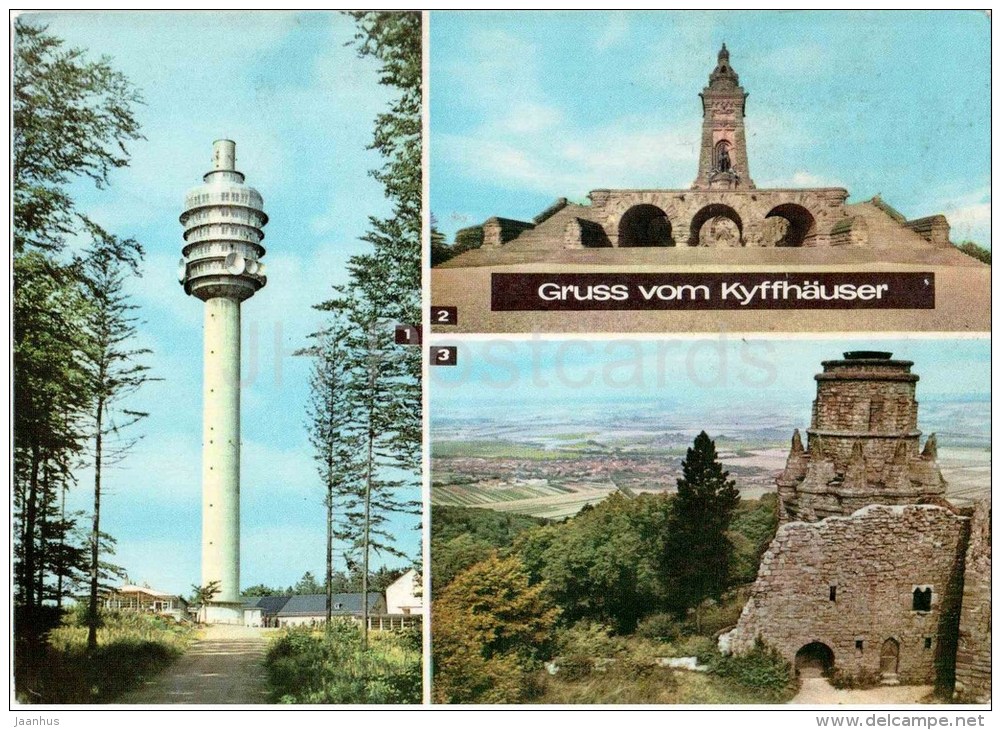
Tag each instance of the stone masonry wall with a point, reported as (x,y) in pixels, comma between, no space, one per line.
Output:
(873,560)
(749,207)
(861,407)
(973,656)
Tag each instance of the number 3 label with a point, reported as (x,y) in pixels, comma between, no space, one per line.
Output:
(443,355)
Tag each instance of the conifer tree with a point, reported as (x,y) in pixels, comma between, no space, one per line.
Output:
(698,550)
(379,382)
(115,372)
(72,117)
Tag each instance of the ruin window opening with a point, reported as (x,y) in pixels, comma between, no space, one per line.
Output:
(833,593)
(858,644)
(927,642)
(645,225)
(802,227)
(921,600)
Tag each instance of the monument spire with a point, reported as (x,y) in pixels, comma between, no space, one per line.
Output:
(723,154)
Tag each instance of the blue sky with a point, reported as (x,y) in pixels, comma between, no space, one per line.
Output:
(527,107)
(711,381)
(300,106)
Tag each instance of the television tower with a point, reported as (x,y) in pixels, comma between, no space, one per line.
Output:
(223,223)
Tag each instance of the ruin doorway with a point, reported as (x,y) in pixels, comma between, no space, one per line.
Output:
(716,225)
(645,225)
(889,659)
(814,660)
(799,229)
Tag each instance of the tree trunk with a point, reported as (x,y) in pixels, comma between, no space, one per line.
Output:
(365,537)
(61,565)
(95,535)
(30,520)
(330,553)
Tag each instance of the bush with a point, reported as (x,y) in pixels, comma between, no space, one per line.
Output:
(702,648)
(711,617)
(761,668)
(310,666)
(660,626)
(132,647)
(573,668)
(978,252)
(588,639)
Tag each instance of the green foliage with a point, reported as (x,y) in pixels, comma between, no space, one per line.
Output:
(456,555)
(391,273)
(710,617)
(200,595)
(662,626)
(365,415)
(307,666)
(466,239)
(762,668)
(491,628)
(73,118)
(496,529)
(588,639)
(751,532)
(132,647)
(603,563)
(978,252)
(698,552)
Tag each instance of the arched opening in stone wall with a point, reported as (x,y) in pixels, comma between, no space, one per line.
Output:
(800,224)
(645,225)
(716,225)
(889,658)
(814,660)
(722,158)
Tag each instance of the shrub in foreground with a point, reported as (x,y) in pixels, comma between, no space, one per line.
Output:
(131,648)
(311,666)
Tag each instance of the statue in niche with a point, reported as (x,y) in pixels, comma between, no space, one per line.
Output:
(719,232)
(774,230)
(723,164)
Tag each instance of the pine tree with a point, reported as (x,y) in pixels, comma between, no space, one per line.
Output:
(115,372)
(698,550)
(72,117)
(334,440)
(380,382)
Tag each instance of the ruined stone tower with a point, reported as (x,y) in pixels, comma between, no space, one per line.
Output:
(872,572)
(723,154)
(863,443)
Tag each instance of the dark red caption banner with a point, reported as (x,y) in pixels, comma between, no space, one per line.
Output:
(580,292)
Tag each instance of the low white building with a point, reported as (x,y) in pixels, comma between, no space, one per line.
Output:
(144,599)
(404,595)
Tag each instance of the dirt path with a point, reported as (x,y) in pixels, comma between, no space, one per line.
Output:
(223,667)
(818,691)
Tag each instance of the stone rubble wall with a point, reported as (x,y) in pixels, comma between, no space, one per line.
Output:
(750,207)
(933,228)
(874,559)
(973,655)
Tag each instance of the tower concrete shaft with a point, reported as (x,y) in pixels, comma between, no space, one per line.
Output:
(221,448)
(223,228)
